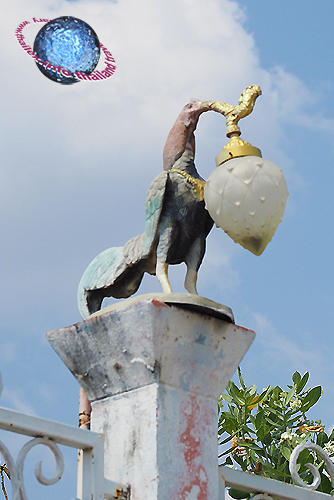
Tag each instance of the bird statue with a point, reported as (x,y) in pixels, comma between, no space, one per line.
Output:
(176,225)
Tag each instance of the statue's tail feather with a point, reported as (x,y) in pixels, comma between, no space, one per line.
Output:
(116,272)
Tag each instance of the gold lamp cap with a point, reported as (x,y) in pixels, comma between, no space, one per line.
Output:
(236,148)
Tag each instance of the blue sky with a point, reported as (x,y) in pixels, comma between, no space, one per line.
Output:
(76,163)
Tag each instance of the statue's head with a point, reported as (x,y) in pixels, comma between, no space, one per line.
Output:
(250,93)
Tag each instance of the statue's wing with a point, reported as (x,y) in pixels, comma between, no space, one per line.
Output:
(118,271)
(154,204)
(103,270)
(100,273)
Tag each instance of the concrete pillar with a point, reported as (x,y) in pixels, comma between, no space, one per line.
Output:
(153,368)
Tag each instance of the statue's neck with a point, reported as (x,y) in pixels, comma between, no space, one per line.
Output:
(186,163)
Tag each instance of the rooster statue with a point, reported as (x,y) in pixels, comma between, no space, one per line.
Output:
(176,226)
(177,222)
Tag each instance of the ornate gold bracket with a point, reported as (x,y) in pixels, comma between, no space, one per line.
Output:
(236,147)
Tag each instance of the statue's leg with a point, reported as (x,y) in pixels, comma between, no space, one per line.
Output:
(193,261)
(191,280)
(162,275)
(165,241)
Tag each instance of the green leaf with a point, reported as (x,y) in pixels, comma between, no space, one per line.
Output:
(234,412)
(228,387)
(296,377)
(259,419)
(263,435)
(228,438)
(286,452)
(251,391)
(247,429)
(277,413)
(325,485)
(227,422)
(228,425)
(251,419)
(322,439)
(271,422)
(241,462)
(301,384)
(311,398)
(267,439)
(275,418)
(226,397)
(305,457)
(241,380)
(277,391)
(250,445)
(253,401)
(243,414)
(236,393)
(238,494)
(274,473)
(289,396)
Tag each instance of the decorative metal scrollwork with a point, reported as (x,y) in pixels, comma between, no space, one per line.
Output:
(316,475)
(16,470)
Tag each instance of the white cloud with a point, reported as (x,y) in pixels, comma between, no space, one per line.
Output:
(275,351)
(77,161)
(276,346)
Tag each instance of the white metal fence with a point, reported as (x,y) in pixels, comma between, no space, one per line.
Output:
(91,482)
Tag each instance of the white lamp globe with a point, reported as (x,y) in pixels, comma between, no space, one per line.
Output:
(246,197)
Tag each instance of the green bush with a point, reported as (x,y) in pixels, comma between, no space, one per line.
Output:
(262,430)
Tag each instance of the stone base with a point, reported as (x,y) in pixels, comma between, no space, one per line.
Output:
(153,372)
(185,301)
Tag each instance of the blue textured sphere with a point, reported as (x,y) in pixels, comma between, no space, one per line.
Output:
(68,45)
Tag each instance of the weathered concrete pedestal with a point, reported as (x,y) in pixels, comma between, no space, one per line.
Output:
(153,370)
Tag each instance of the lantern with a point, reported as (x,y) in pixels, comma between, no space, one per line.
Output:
(246,194)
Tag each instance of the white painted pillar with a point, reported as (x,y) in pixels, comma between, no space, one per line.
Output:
(153,370)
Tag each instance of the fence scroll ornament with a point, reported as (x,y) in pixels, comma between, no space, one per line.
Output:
(16,469)
(293,466)
(91,483)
